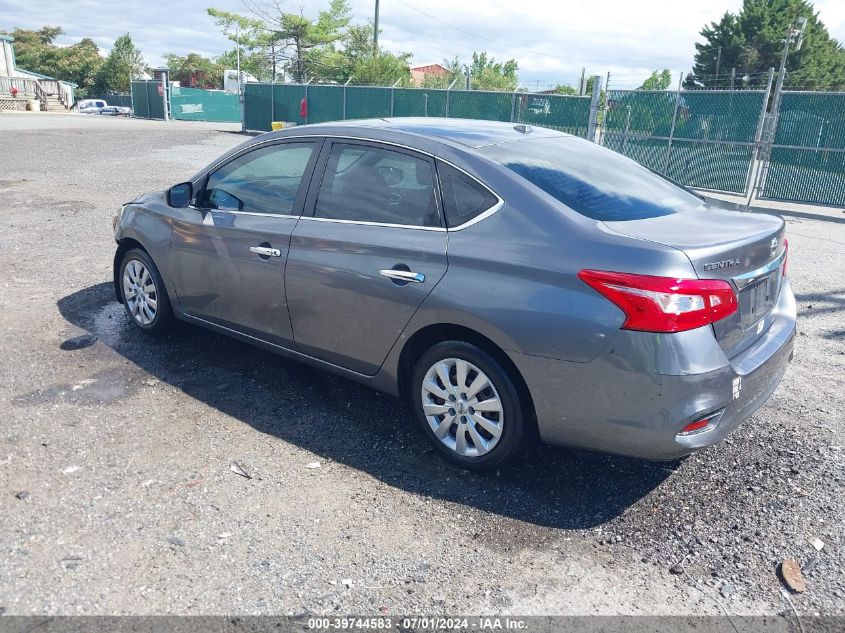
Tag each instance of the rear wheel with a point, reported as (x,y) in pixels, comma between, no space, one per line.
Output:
(144,295)
(467,405)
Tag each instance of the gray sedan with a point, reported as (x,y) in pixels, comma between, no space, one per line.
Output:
(508,282)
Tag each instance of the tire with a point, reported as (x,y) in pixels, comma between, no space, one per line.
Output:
(139,276)
(491,436)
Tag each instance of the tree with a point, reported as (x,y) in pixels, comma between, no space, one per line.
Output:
(124,60)
(488,74)
(302,43)
(751,41)
(78,63)
(195,71)
(254,63)
(658,80)
(485,74)
(384,69)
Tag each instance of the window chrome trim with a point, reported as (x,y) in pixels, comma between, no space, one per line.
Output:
(746,279)
(278,139)
(236,212)
(382,224)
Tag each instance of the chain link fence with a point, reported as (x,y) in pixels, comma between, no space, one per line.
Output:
(702,139)
(266,103)
(709,140)
(806,161)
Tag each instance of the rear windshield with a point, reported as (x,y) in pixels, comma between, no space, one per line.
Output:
(592,180)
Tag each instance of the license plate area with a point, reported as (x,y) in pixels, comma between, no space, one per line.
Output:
(757,300)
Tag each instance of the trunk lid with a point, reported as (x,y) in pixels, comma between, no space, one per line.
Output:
(746,249)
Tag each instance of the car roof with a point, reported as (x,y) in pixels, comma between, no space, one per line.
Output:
(465,133)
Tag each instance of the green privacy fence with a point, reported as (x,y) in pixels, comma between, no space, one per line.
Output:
(807,158)
(147,103)
(193,104)
(703,139)
(265,103)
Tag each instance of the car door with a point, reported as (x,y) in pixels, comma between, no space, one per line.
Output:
(228,258)
(371,245)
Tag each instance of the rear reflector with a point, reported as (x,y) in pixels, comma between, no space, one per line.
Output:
(704,424)
(785,255)
(664,304)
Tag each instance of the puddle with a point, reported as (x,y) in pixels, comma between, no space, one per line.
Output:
(78,342)
(104,387)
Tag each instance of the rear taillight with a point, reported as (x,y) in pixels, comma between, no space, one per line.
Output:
(664,304)
(785,255)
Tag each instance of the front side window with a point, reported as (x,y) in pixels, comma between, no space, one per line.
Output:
(265,180)
(372,184)
(592,180)
(463,197)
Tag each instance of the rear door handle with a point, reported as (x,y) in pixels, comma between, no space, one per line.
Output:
(402,275)
(264,251)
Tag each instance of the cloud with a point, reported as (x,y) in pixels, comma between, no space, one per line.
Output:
(551,40)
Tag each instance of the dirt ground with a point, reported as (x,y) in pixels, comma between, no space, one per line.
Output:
(117,496)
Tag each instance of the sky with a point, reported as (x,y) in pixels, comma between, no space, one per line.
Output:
(551,40)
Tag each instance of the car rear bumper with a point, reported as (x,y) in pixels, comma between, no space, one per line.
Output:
(622,403)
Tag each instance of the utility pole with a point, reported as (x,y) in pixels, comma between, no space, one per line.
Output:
(240,88)
(375,32)
(718,64)
(594,109)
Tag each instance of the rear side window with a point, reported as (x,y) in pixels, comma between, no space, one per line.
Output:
(463,197)
(592,180)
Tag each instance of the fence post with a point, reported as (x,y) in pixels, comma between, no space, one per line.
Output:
(513,106)
(344,97)
(393,95)
(306,100)
(594,109)
(762,146)
(164,96)
(674,120)
(627,129)
(449,90)
(272,104)
(604,109)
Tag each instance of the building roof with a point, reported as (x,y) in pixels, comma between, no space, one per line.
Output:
(40,76)
(431,68)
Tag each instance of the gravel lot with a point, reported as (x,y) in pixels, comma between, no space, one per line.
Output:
(117,497)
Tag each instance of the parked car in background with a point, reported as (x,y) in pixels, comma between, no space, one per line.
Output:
(90,106)
(506,281)
(115,111)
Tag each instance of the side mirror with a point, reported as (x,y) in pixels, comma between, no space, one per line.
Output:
(179,196)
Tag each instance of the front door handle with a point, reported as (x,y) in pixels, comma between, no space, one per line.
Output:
(265,251)
(402,275)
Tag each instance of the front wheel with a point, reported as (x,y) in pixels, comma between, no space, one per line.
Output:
(144,295)
(467,405)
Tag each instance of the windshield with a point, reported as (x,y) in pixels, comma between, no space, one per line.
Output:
(592,180)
